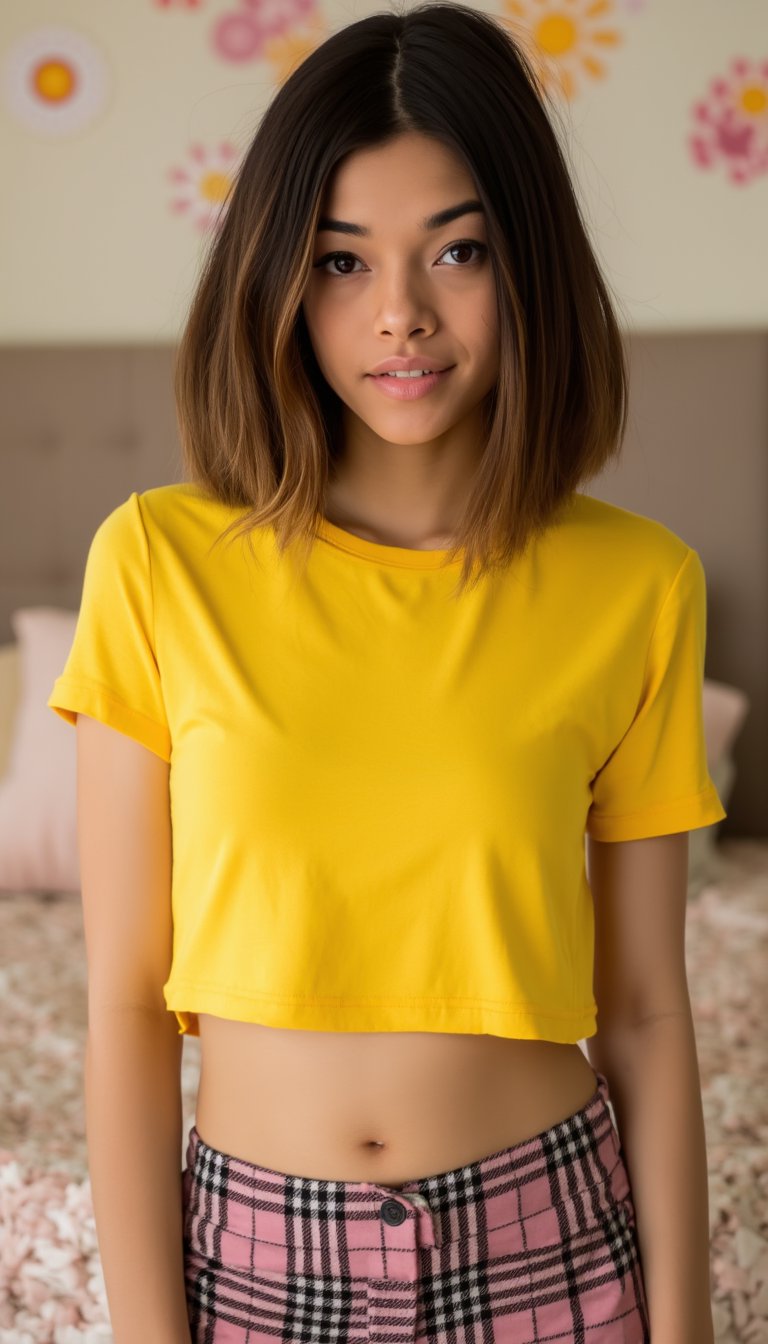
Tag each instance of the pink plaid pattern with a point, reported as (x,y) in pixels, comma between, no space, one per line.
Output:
(534,1244)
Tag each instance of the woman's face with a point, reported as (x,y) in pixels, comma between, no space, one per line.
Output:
(402,288)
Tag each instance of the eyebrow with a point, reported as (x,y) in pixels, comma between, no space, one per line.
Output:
(437,221)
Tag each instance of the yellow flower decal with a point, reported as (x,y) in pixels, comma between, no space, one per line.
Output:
(56,81)
(287,52)
(566,39)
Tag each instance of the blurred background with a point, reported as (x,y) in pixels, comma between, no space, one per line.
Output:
(120,129)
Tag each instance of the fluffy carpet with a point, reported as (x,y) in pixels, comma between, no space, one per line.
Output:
(51,1285)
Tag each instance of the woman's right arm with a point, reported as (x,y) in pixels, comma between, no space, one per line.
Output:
(133,1098)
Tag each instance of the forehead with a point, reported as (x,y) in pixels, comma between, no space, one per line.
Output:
(405,179)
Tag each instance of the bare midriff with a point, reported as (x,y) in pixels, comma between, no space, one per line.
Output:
(388,1107)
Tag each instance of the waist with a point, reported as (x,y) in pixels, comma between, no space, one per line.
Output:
(570,1176)
(381,1106)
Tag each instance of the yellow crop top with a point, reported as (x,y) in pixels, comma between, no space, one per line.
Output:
(379,793)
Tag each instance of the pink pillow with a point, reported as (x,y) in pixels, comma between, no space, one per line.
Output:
(9,699)
(38,791)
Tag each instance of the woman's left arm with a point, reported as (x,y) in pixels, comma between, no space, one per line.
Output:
(646,1048)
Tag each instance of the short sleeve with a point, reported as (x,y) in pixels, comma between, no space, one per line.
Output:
(656,780)
(111,671)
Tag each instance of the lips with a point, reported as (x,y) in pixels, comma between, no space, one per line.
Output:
(411,388)
(408,364)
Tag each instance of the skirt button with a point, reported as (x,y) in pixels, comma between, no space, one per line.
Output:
(393,1213)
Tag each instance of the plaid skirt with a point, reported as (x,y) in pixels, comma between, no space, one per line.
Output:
(531,1244)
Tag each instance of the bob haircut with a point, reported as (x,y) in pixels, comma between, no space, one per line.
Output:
(260,427)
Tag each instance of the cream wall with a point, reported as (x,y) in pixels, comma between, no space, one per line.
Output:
(95,248)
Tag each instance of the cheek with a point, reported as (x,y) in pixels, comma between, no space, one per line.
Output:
(486,333)
(476,313)
(324,321)
(490,310)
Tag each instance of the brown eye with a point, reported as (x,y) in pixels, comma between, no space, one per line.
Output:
(335,256)
(465,243)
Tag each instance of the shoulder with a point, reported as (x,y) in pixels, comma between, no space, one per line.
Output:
(603,530)
(612,546)
(163,511)
(167,507)
(614,569)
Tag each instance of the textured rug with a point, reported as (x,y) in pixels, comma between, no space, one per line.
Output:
(51,1285)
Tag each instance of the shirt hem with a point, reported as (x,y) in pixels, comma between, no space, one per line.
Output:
(470,1016)
(71,697)
(684,814)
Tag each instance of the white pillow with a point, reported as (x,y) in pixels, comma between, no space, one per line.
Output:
(725,709)
(38,792)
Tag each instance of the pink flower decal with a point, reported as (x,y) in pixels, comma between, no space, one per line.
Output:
(732,123)
(203,187)
(242,36)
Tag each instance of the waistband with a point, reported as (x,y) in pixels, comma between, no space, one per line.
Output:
(555,1178)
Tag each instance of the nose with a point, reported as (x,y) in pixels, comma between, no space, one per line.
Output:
(402,310)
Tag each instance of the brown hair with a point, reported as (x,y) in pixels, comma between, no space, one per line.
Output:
(259,424)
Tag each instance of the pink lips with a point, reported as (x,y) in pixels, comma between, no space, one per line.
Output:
(409,389)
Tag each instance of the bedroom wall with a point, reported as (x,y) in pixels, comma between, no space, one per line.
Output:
(123,124)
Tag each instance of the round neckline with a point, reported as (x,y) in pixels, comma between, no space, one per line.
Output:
(404,557)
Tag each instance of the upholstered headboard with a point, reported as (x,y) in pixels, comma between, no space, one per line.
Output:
(80,428)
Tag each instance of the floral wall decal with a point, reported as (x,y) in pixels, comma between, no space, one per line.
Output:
(243,35)
(202,187)
(55,81)
(279,33)
(124,133)
(286,52)
(566,39)
(732,123)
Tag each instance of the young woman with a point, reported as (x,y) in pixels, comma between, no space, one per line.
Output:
(348,702)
